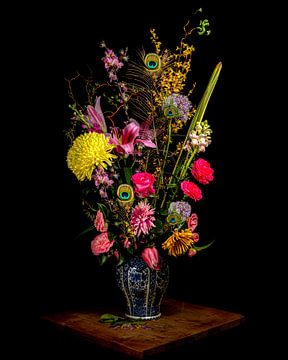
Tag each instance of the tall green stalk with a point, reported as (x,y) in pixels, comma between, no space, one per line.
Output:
(198,117)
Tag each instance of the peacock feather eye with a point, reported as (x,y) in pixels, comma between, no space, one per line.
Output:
(152,62)
(125,193)
(173,219)
(171,111)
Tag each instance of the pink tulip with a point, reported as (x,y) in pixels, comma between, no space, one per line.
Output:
(195,237)
(126,140)
(192,221)
(192,252)
(116,254)
(151,257)
(127,243)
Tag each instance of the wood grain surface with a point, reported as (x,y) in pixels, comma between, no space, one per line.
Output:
(179,324)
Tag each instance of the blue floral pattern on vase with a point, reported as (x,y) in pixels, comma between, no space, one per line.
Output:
(142,287)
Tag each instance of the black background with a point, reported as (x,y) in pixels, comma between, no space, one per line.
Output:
(235,272)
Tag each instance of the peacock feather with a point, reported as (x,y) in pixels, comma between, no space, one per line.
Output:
(125,194)
(152,62)
(142,79)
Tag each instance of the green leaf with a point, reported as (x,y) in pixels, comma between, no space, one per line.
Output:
(103,209)
(85,231)
(128,174)
(110,318)
(199,248)
(102,259)
(121,260)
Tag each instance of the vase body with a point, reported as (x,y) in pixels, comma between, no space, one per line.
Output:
(142,287)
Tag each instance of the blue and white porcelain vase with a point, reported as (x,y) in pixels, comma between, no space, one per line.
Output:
(142,287)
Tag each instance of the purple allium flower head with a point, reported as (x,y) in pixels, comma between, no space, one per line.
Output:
(180,207)
(182,103)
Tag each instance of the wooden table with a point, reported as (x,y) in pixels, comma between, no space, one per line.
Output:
(181,323)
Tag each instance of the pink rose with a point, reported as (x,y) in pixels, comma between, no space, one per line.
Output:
(151,257)
(202,171)
(192,222)
(99,222)
(143,184)
(101,244)
(192,190)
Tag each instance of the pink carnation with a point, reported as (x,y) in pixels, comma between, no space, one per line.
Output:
(192,190)
(192,221)
(99,222)
(143,184)
(101,244)
(202,171)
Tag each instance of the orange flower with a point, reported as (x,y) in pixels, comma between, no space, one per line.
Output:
(179,242)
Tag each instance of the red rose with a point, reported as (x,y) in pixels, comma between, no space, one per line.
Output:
(143,184)
(202,171)
(101,244)
(192,190)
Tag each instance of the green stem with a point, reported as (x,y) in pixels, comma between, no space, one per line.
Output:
(187,164)
(165,160)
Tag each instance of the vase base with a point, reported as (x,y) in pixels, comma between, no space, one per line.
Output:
(154,317)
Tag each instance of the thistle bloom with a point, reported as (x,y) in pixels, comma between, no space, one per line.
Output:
(179,242)
(151,257)
(89,151)
(142,218)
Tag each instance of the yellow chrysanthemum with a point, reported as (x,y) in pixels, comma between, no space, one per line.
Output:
(89,151)
(179,242)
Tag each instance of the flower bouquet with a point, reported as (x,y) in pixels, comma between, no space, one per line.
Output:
(137,147)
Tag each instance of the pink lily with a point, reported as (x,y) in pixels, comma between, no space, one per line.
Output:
(96,119)
(126,141)
(151,257)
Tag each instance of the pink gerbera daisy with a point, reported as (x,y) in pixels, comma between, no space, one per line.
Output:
(142,218)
